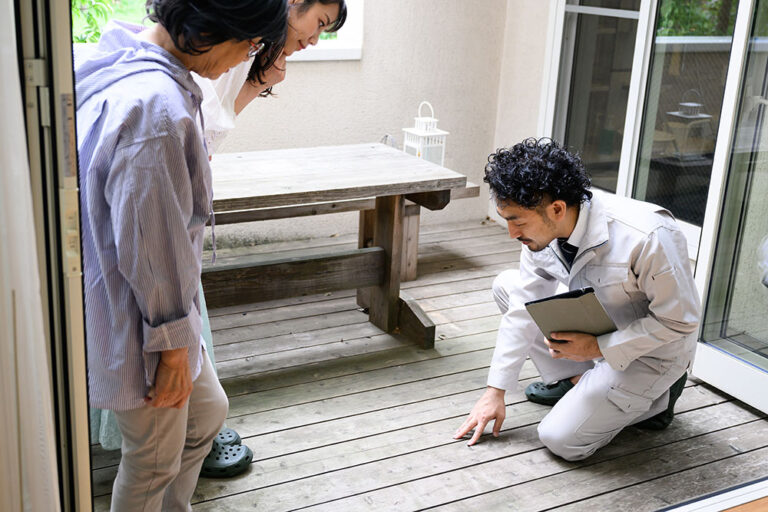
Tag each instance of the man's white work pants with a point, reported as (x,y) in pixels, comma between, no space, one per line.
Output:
(604,401)
(163,449)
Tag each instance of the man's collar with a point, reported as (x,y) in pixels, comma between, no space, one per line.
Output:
(577,235)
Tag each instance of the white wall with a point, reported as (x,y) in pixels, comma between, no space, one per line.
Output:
(523,73)
(521,82)
(448,52)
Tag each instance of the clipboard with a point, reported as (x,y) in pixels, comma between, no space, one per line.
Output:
(577,310)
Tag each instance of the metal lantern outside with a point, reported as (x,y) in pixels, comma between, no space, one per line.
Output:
(425,140)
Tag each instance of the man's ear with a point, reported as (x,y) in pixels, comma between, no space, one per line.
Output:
(558,208)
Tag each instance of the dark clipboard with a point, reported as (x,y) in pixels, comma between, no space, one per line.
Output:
(574,311)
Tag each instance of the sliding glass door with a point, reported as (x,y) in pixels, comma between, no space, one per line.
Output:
(684,95)
(595,70)
(734,352)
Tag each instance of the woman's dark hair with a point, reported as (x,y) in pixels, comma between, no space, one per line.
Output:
(336,25)
(196,25)
(273,51)
(536,170)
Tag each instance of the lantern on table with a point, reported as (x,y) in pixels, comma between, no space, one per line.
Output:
(425,140)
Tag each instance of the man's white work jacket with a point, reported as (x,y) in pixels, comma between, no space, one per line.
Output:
(635,257)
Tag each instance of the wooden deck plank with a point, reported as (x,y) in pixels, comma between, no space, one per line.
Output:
(323,370)
(262,332)
(695,396)
(670,490)
(338,431)
(334,344)
(342,416)
(537,480)
(407,471)
(358,383)
(231,342)
(416,437)
(414,428)
(385,446)
(439,296)
(256,340)
(648,465)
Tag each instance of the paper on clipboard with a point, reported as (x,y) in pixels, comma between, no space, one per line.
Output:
(573,311)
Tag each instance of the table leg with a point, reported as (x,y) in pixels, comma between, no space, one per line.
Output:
(388,234)
(410,260)
(365,239)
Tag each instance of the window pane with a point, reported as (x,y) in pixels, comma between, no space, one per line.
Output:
(595,70)
(631,5)
(683,100)
(735,318)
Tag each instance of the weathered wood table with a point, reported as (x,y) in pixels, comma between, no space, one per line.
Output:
(335,178)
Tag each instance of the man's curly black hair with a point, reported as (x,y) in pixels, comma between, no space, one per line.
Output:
(536,170)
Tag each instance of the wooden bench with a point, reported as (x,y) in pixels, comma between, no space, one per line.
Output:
(374,179)
(411,221)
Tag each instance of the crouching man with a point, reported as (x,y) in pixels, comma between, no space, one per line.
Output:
(635,257)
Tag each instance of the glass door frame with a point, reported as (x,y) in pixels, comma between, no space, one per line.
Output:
(551,93)
(636,85)
(711,365)
(45,49)
(635,99)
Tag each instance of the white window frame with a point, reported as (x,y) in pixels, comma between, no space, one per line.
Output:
(348,45)
(637,79)
(644,41)
(712,364)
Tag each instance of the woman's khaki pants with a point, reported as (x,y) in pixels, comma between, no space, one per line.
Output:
(163,449)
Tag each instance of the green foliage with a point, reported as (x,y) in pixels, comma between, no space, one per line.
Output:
(88,18)
(696,17)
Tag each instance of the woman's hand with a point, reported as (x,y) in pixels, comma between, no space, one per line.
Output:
(272,76)
(276,72)
(173,380)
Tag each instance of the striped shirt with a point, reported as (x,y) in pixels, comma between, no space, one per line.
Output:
(145,198)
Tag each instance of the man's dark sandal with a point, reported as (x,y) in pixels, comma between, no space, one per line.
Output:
(229,437)
(547,394)
(664,418)
(225,461)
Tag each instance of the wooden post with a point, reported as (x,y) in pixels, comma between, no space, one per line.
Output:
(388,234)
(410,258)
(414,323)
(365,240)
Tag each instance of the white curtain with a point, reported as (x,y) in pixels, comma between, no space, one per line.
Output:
(28,474)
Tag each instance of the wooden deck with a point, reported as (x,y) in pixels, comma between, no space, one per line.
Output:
(343,417)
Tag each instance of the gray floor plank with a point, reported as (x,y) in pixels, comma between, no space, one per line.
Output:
(301,348)
(342,416)
(667,490)
(536,480)
(359,382)
(349,434)
(392,475)
(446,295)
(323,370)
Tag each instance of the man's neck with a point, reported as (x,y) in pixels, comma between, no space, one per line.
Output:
(569,222)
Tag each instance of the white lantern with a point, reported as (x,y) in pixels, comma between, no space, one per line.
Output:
(425,140)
